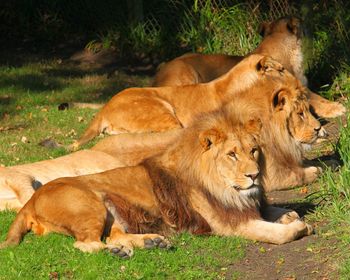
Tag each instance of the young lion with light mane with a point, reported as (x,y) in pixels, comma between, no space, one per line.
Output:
(274,95)
(281,40)
(206,182)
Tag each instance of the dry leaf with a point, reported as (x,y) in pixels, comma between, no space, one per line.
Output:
(24,139)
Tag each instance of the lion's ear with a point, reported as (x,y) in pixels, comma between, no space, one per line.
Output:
(279,100)
(210,137)
(264,28)
(268,64)
(294,26)
(253,127)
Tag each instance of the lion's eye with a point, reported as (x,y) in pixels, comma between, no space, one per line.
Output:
(255,152)
(232,155)
(301,115)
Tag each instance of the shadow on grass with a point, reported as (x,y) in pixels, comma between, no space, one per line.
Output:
(302,208)
(55,81)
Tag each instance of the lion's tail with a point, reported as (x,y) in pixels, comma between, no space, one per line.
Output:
(18,229)
(94,129)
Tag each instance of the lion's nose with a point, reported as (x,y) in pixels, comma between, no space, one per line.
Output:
(253,176)
(321,132)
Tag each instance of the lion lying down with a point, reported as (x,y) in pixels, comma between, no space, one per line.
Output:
(281,40)
(206,182)
(17,183)
(258,86)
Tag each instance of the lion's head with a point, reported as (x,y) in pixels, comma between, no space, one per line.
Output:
(291,108)
(301,123)
(288,24)
(222,154)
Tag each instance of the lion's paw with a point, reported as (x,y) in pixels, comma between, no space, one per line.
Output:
(309,229)
(330,110)
(121,251)
(158,241)
(311,173)
(288,217)
(300,229)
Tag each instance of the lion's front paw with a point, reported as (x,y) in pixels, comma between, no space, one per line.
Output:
(330,109)
(121,251)
(288,217)
(300,228)
(311,173)
(159,242)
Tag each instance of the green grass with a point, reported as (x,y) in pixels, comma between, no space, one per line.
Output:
(192,258)
(29,95)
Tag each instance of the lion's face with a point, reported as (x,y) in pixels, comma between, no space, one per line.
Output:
(292,107)
(237,163)
(233,158)
(302,124)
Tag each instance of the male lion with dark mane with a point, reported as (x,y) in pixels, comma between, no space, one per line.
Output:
(281,41)
(206,182)
(277,97)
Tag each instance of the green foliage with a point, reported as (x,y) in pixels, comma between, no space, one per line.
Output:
(327,23)
(210,29)
(334,195)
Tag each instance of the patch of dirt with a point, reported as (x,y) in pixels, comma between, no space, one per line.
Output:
(303,259)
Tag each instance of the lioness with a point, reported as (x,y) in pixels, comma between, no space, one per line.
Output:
(17,183)
(160,109)
(206,182)
(277,97)
(281,41)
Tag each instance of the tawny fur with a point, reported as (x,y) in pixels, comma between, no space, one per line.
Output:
(17,183)
(206,182)
(281,41)
(277,97)
(161,109)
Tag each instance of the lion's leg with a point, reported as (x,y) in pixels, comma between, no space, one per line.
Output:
(325,108)
(14,186)
(122,244)
(88,233)
(274,232)
(289,178)
(12,204)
